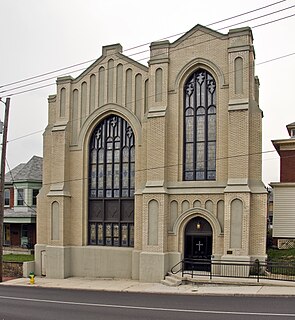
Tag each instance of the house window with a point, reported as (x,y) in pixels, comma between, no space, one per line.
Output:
(200,127)
(20,197)
(6,197)
(7,234)
(34,200)
(24,231)
(111,184)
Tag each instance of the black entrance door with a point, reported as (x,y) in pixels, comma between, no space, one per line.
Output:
(198,247)
(198,244)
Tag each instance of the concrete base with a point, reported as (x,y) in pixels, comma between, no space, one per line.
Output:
(260,258)
(40,261)
(28,267)
(135,264)
(58,262)
(153,266)
(87,261)
(103,262)
(174,258)
(236,269)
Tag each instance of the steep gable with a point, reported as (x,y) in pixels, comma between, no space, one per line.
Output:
(114,52)
(30,171)
(196,32)
(10,176)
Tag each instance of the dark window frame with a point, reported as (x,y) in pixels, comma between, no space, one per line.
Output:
(20,197)
(199,123)
(111,184)
(7,198)
(35,193)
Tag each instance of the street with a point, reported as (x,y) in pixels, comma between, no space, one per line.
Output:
(43,303)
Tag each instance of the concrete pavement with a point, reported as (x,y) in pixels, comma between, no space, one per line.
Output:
(204,286)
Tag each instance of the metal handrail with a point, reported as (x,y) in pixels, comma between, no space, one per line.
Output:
(235,269)
(177,264)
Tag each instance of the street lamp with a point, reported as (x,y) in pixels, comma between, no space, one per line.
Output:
(2,181)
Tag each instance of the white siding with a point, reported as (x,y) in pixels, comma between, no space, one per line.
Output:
(284,212)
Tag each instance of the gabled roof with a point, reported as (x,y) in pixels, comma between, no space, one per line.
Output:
(290,126)
(30,171)
(195,29)
(113,51)
(10,176)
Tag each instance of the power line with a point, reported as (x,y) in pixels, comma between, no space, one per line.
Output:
(166,166)
(43,86)
(46,74)
(40,87)
(279,19)
(71,120)
(38,81)
(274,59)
(170,166)
(24,136)
(72,66)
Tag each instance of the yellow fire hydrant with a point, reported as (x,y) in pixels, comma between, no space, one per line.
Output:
(32,277)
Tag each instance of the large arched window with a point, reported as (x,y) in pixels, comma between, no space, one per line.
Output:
(111,183)
(200,127)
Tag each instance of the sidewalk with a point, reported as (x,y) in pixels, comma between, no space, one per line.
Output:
(202,287)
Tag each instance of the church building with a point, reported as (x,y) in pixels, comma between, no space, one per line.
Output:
(147,165)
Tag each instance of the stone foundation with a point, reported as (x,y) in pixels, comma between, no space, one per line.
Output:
(13,269)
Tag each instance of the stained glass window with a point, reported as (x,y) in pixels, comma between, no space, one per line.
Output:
(111,183)
(131,238)
(124,237)
(200,127)
(100,235)
(92,233)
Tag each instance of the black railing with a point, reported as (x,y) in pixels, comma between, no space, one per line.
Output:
(236,269)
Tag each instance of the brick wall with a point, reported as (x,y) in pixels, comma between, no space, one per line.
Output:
(287,166)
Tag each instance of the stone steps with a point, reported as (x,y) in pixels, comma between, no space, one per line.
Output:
(172,280)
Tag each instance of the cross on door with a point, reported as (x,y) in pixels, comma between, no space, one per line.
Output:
(199,245)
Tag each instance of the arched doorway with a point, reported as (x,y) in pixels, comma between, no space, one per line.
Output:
(198,240)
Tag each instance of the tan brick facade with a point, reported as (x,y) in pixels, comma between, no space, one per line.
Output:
(151,101)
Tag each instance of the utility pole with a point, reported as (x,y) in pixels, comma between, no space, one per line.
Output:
(2,181)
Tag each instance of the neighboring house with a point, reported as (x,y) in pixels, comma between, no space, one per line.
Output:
(270,208)
(145,166)
(271,242)
(22,186)
(284,192)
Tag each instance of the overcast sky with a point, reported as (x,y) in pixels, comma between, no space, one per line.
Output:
(39,36)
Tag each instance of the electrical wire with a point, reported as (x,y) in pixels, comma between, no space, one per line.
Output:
(150,96)
(131,48)
(55,71)
(168,166)
(41,87)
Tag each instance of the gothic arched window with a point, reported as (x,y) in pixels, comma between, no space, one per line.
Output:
(111,183)
(200,127)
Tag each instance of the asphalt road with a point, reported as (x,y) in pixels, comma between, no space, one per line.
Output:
(17,303)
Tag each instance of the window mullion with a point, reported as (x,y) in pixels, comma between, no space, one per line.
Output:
(104,142)
(195,142)
(184,137)
(206,129)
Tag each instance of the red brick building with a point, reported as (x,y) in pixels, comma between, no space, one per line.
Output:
(284,191)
